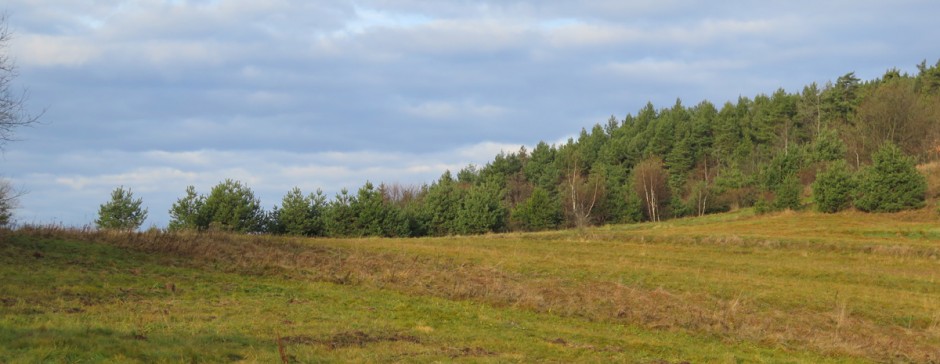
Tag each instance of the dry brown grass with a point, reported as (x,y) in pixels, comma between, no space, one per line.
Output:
(932,172)
(740,317)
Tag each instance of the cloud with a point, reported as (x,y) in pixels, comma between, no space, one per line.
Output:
(677,71)
(457,37)
(51,51)
(578,34)
(436,110)
(146,179)
(485,151)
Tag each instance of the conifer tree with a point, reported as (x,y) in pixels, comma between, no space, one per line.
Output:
(338,218)
(538,212)
(892,183)
(787,194)
(122,212)
(301,215)
(833,188)
(187,212)
(232,206)
(442,203)
(482,210)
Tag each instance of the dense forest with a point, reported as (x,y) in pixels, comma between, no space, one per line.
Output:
(848,143)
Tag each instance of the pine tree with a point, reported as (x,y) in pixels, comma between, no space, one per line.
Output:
(540,168)
(123,212)
(782,166)
(892,183)
(338,218)
(538,212)
(826,147)
(833,188)
(369,211)
(232,206)
(301,215)
(187,213)
(787,194)
(482,211)
(442,203)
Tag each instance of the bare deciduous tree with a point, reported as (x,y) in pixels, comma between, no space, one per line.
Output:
(9,197)
(895,113)
(399,194)
(13,113)
(700,185)
(581,195)
(650,182)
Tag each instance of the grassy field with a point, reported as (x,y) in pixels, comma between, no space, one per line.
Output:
(787,287)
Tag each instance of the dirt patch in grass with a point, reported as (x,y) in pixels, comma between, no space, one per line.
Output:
(569,344)
(475,351)
(349,339)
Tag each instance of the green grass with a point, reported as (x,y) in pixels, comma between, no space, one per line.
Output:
(789,287)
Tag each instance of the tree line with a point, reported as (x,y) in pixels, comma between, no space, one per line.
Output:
(844,144)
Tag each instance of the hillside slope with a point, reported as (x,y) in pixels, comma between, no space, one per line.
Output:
(797,287)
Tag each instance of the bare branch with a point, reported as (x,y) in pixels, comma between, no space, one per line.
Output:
(13,113)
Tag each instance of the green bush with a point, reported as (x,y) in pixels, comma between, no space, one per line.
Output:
(762,207)
(833,188)
(892,183)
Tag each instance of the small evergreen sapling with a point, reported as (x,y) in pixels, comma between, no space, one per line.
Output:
(833,188)
(123,212)
(892,183)
(538,212)
(787,195)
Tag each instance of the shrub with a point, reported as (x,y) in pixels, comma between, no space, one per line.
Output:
(123,212)
(833,188)
(762,207)
(892,183)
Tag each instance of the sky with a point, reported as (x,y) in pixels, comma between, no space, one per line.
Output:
(159,95)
